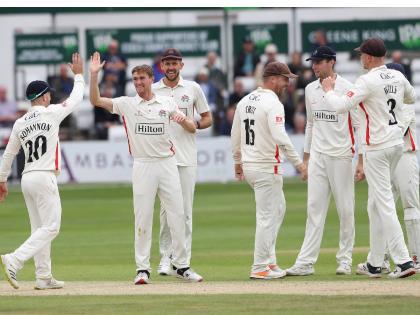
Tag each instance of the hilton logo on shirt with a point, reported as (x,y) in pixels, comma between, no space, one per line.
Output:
(150,129)
(325,115)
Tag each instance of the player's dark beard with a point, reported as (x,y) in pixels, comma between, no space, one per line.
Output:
(174,79)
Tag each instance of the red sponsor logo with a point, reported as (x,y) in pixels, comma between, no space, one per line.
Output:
(279,119)
(350,93)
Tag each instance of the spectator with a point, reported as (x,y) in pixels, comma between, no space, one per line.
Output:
(397,57)
(238,92)
(8,110)
(216,75)
(320,39)
(157,70)
(104,119)
(211,92)
(299,122)
(116,64)
(62,84)
(227,120)
(247,59)
(305,73)
(270,55)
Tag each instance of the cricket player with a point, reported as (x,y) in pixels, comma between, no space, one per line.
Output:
(190,99)
(146,118)
(380,94)
(329,149)
(37,133)
(258,135)
(405,185)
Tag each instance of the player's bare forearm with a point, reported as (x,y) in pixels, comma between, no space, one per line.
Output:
(188,125)
(205,121)
(94,96)
(306,157)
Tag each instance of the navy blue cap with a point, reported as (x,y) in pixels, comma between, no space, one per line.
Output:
(396,66)
(36,89)
(322,52)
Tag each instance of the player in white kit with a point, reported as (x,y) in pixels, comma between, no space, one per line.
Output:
(37,133)
(329,148)
(190,99)
(146,118)
(380,94)
(258,135)
(405,185)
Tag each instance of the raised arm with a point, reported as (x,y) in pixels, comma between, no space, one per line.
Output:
(95,97)
(76,96)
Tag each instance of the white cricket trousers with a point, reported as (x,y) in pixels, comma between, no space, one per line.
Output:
(405,184)
(150,178)
(44,207)
(326,175)
(270,210)
(187,175)
(384,227)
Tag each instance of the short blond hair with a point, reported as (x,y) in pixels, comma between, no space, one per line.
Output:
(143,68)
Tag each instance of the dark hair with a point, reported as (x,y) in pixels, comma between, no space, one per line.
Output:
(143,68)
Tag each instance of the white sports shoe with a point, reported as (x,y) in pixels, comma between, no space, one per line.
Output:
(44,284)
(368,270)
(270,273)
(343,269)
(9,271)
(143,277)
(300,270)
(164,268)
(188,274)
(403,271)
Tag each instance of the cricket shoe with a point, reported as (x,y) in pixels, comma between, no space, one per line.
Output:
(51,283)
(403,271)
(164,268)
(187,274)
(343,269)
(9,271)
(300,270)
(270,273)
(143,277)
(367,269)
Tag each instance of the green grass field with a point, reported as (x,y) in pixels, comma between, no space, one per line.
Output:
(96,244)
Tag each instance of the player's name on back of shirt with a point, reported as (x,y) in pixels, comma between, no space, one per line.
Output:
(34,127)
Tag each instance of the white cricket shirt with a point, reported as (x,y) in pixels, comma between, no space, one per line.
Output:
(327,131)
(380,95)
(37,133)
(147,125)
(258,133)
(190,98)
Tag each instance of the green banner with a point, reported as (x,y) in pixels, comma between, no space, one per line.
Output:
(261,35)
(45,48)
(345,36)
(146,42)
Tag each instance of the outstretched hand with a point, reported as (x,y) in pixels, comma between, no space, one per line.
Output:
(95,63)
(76,64)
